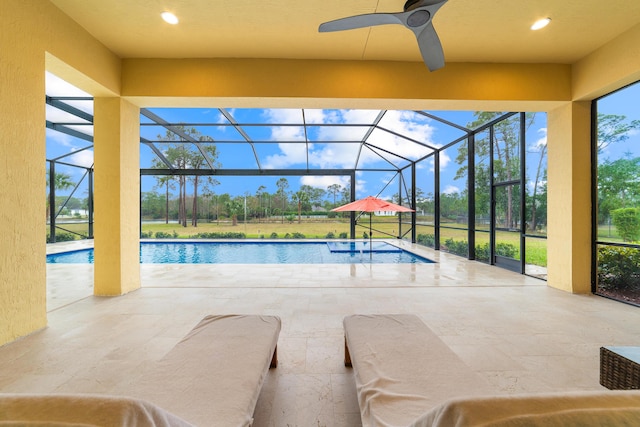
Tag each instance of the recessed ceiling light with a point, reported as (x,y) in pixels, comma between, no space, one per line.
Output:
(169,18)
(540,23)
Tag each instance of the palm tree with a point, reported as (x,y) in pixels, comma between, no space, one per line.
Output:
(198,161)
(61,181)
(301,197)
(282,185)
(233,207)
(335,190)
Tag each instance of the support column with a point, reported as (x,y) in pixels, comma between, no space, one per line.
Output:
(569,198)
(23,290)
(117,196)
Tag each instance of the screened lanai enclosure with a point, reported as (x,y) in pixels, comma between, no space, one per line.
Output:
(476,180)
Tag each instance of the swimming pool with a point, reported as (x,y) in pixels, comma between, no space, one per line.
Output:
(256,253)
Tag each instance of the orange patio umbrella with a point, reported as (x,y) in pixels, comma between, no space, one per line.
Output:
(371,204)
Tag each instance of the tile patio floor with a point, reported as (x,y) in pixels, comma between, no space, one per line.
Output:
(513,330)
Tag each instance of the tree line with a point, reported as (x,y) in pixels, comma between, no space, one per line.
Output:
(618,183)
(261,205)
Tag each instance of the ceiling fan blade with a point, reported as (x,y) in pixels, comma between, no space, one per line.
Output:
(360,21)
(417,17)
(423,3)
(431,48)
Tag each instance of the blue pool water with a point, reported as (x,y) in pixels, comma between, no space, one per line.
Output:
(376,247)
(256,253)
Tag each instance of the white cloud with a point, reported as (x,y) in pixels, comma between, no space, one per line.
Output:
(283,115)
(361,186)
(444,161)
(221,119)
(531,184)
(331,156)
(324,181)
(542,141)
(60,138)
(387,178)
(55,115)
(55,86)
(451,189)
(343,154)
(320,155)
(431,163)
(408,124)
(359,116)
(317,116)
(288,133)
(58,87)
(87,130)
(82,158)
(290,154)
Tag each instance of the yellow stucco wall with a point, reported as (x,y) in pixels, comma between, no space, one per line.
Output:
(344,84)
(569,197)
(28,30)
(614,65)
(117,196)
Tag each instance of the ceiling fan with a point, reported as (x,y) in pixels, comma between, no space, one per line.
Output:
(417,17)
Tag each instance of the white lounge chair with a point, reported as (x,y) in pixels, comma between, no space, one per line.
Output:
(402,369)
(214,375)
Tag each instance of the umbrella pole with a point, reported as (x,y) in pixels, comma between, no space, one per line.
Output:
(370,241)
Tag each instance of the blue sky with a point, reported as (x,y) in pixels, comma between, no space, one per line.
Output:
(625,102)
(324,153)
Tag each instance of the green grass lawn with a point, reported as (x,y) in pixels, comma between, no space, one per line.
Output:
(254,230)
(81,228)
(311,228)
(536,249)
(608,233)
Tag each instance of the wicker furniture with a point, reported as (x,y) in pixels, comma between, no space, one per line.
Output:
(620,368)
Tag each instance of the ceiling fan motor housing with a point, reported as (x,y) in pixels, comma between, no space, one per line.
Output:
(418,18)
(409,3)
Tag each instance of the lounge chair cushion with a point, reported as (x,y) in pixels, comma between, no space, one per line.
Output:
(402,369)
(214,375)
(82,410)
(578,409)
